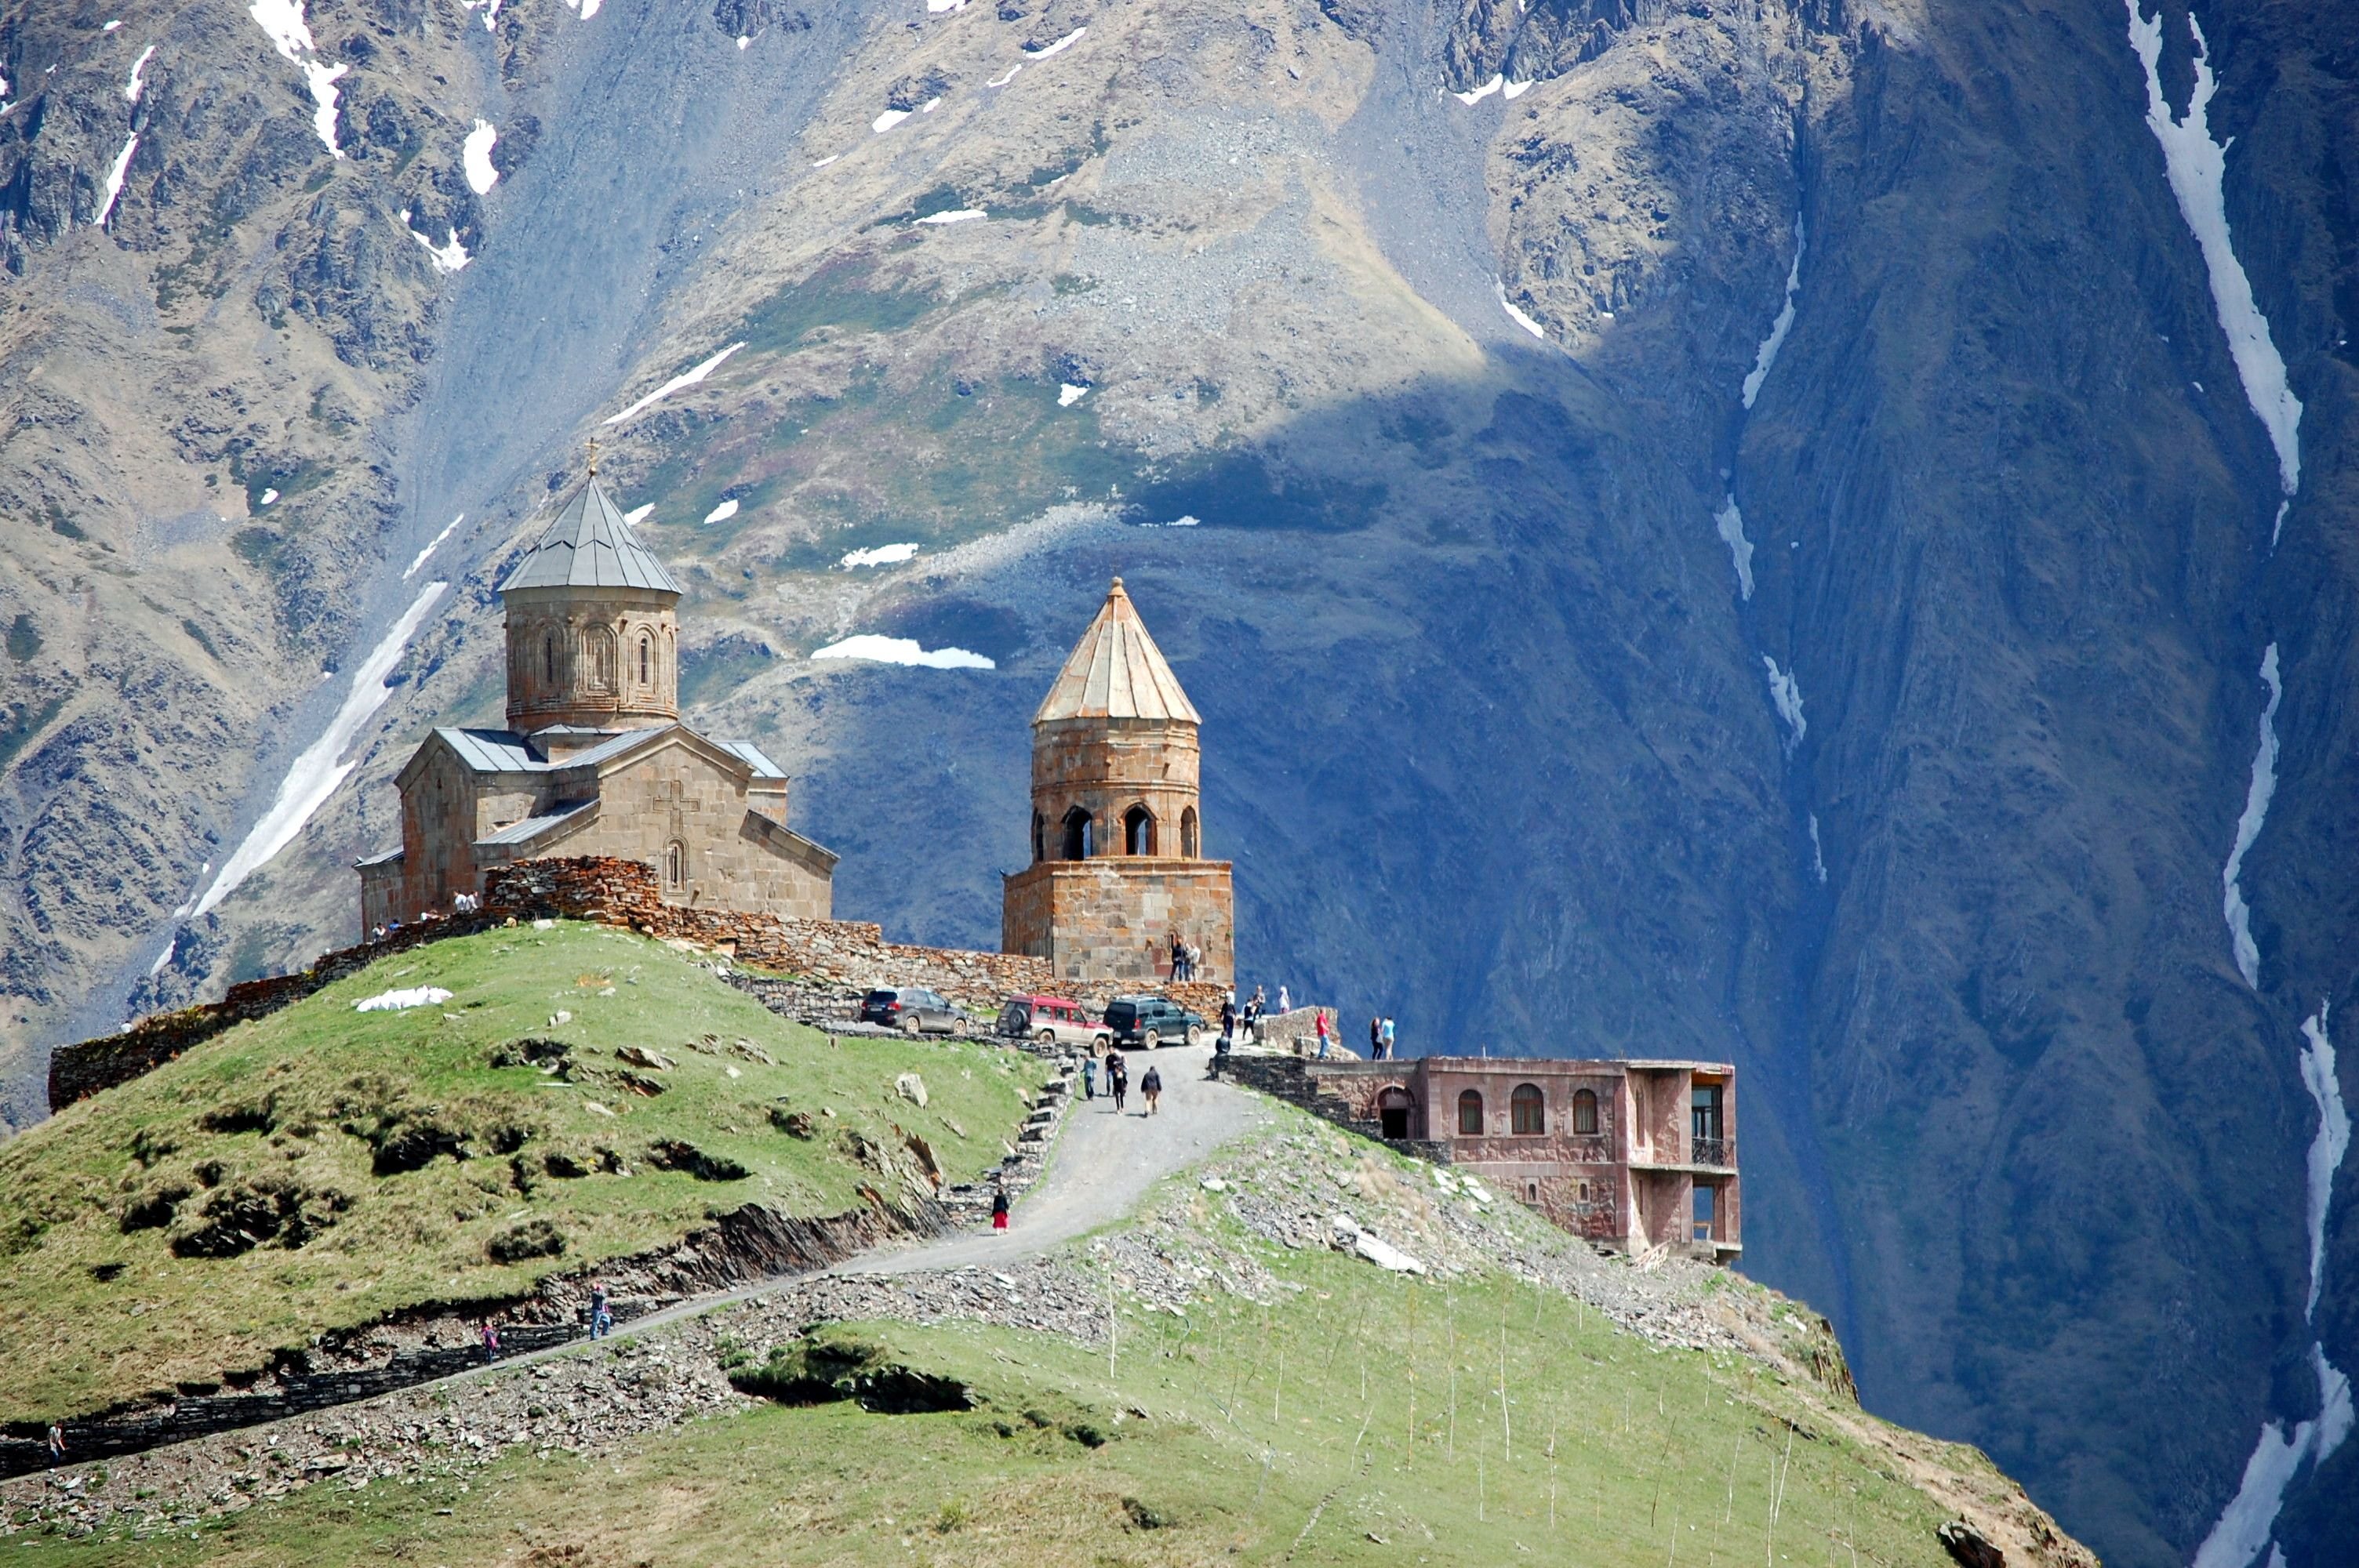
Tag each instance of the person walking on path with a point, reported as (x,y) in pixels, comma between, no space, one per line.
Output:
(491,1341)
(1090,1075)
(57,1442)
(1321,1019)
(1228,1024)
(1151,1086)
(1388,1037)
(1376,1040)
(602,1319)
(999,1207)
(1119,1080)
(1283,1004)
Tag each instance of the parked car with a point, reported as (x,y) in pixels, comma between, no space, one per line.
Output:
(913,1007)
(1149,1021)
(1051,1021)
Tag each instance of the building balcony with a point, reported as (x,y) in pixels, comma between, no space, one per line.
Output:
(1704,1155)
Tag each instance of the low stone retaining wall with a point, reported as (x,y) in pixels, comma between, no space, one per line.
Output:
(1295,1080)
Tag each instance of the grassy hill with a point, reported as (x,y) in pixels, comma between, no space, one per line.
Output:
(324,1167)
(1254,1402)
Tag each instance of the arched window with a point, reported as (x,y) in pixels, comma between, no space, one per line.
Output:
(1188,833)
(646,659)
(1527,1111)
(1078,835)
(1139,831)
(1039,837)
(675,865)
(1470,1115)
(1584,1111)
(602,659)
(548,657)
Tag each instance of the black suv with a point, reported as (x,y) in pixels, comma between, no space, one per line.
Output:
(912,1008)
(1150,1020)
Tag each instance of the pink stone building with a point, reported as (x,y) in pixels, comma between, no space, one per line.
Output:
(595,760)
(1632,1154)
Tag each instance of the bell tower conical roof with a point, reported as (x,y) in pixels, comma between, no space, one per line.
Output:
(1116,671)
(590,546)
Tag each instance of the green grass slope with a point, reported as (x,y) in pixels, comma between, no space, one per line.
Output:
(323,1167)
(1329,1413)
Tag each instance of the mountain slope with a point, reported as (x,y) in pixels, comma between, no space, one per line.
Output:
(1833,642)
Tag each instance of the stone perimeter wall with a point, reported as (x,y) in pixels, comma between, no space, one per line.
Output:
(834,960)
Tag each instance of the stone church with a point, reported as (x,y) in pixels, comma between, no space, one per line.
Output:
(595,760)
(1118,863)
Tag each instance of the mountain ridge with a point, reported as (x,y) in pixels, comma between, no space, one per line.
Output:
(2030,1136)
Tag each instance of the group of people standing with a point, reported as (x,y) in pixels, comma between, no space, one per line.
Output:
(1186,959)
(1115,1069)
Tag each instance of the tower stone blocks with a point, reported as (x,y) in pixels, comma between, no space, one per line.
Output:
(1117,865)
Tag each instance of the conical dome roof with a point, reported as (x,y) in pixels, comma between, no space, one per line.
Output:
(590,546)
(1116,671)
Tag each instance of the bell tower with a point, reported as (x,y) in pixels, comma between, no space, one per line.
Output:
(592,625)
(1118,865)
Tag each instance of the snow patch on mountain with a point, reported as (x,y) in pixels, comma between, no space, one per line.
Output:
(882,556)
(134,87)
(476,157)
(115,177)
(962,215)
(1766,355)
(2326,1150)
(449,256)
(723,512)
(1476,96)
(2257,794)
(1731,522)
(637,514)
(1499,288)
(291,37)
(1785,696)
(315,775)
(685,379)
(1060,47)
(2198,167)
(2245,1525)
(448,528)
(874,649)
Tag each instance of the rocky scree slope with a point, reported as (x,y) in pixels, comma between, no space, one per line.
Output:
(1738,528)
(215,288)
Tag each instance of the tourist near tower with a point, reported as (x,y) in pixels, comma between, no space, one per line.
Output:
(1118,865)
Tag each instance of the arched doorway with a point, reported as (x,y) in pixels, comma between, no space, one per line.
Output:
(1078,835)
(1139,831)
(1394,1107)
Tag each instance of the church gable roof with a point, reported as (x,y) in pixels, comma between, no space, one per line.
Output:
(590,546)
(1116,671)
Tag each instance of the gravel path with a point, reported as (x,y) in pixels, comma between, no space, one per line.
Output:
(1103,1164)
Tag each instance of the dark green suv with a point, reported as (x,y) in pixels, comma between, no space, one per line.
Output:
(1149,1021)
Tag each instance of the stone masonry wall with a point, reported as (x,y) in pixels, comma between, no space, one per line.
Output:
(1110,918)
